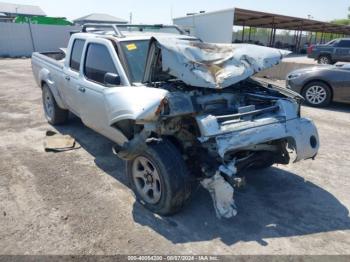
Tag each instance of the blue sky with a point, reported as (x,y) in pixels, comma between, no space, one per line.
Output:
(159,11)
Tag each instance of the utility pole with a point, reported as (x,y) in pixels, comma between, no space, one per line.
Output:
(130,18)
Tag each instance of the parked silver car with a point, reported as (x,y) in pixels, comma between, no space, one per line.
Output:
(180,111)
(321,85)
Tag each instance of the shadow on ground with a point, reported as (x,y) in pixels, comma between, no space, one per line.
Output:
(275,203)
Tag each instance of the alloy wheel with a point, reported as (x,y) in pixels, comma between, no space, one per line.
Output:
(316,95)
(48,103)
(146,179)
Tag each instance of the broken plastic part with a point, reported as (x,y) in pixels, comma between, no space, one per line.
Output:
(229,169)
(134,147)
(222,194)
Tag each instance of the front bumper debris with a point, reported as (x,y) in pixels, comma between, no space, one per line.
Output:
(300,133)
(222,194)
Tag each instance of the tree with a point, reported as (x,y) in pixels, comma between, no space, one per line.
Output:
(341,21)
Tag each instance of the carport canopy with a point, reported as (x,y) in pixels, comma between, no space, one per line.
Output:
(244,17)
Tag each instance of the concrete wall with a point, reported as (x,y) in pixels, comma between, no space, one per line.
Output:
(282,70)
(23,39)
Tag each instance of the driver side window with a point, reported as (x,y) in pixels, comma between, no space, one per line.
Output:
(98,62)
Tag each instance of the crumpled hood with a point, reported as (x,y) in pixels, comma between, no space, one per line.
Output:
(215,65)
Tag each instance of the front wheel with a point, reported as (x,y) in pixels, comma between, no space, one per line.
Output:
(159,178)
(53,113)
(317,94)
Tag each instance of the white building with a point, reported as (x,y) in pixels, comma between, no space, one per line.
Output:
(99,19)
(9,11)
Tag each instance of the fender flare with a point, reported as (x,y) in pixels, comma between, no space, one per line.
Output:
(45,78)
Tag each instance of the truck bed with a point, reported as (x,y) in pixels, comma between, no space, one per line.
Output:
(52,58)
(49,66)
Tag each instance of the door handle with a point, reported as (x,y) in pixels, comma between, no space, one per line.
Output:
(67,78)
(81,89)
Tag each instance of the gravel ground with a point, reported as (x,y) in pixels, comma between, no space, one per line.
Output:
(78,202)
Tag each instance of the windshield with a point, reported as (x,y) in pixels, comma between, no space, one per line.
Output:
(331,42)
(136,55)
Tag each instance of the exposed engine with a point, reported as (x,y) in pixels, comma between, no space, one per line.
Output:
(233,109)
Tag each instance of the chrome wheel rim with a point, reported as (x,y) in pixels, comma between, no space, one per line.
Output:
(324,60)
(146,179)
(316,95)
(48,103)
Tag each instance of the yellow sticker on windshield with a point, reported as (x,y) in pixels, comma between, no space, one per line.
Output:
(131,47)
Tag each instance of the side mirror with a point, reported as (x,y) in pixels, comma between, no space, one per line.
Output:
(111,79)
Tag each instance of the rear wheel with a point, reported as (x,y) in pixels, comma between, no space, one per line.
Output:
(53,113)
(325,60)
(159,178)
(317,94)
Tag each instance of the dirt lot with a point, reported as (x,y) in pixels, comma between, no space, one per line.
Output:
(78,202)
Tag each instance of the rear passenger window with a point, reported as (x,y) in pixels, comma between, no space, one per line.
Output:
(98,62)
(344,43)
(77,52)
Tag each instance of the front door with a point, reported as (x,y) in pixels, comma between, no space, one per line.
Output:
(99,60)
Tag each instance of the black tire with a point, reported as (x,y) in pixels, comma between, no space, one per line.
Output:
(174,180)
(325,60)
(53,113)
(263,164)
(316,87)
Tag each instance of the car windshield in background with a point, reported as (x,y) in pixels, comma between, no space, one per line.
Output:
(149,28)
(136,55)
(331,42)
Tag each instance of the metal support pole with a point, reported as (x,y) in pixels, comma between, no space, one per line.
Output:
(31,35)
(274,37)
(270,38)
(250,32)
(295,40)
(310,39)
(243,32)
(294,37)
(299,42)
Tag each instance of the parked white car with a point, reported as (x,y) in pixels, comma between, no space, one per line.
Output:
(179,110)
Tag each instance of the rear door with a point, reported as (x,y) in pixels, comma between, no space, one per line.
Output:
(72,76)
(342,51)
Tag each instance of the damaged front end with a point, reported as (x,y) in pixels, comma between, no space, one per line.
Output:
(222,121)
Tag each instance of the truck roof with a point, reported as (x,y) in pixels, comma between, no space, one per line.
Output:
(133,36)
(132,32)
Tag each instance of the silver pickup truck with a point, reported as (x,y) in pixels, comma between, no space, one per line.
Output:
(180,111)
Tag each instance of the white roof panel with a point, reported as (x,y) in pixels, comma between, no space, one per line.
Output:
(8,8)
(97,17)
